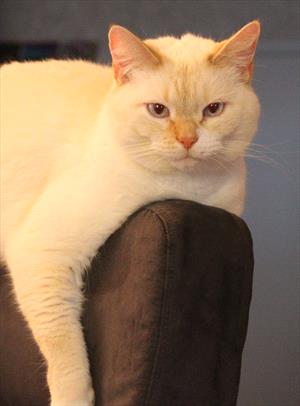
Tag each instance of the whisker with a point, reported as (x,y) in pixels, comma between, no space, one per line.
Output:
(257,149)
(256,155)
(259,155)
(138,146)
(218,162)
(268,148)
(143,154)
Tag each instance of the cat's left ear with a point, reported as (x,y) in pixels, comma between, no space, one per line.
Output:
(239,50)
(128,53)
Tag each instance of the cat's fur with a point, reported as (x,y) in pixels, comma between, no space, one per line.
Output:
(80,153)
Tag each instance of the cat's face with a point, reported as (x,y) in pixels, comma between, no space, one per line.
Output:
(183,103)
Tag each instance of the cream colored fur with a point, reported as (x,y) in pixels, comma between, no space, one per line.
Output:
(80,153)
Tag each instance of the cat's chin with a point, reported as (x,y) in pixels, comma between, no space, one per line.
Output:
(167,166)
(186,164)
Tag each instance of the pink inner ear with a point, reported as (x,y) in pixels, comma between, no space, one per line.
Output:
(246,55)
(119,69)
(128,53)
(240,49)
(119,63)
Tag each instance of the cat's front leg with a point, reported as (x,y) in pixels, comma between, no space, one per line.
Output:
(50,298)
(46,256)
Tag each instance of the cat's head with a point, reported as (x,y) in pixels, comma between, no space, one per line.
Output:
(179,103)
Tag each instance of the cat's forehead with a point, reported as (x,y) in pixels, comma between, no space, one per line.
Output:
(193,85)
(187,48)
(189,85)
(186,60)
(187,79)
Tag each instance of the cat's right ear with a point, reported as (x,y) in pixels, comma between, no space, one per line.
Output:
(128,53)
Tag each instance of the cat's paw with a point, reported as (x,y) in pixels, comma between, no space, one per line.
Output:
(74,395)
(87,400)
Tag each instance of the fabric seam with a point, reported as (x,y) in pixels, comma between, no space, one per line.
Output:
(162,313)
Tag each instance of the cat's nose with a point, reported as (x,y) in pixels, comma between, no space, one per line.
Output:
(187,141)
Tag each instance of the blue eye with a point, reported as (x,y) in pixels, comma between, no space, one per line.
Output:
(158,110)
(213,109)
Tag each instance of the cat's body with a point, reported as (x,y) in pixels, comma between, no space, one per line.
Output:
(71,173)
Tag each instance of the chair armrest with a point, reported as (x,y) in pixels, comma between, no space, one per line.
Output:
(167,310)
(165,317)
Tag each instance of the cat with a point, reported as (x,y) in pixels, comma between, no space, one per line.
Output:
(83,146)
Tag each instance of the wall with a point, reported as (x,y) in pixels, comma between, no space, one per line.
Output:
(270,374)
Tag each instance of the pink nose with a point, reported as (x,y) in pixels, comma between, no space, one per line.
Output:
(187,142)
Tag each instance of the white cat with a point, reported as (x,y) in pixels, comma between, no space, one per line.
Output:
(83,146)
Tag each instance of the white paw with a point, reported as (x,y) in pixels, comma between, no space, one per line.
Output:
(88,400)
(73,395)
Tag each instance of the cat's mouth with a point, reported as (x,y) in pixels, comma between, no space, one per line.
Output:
(187,158)
(186,162)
